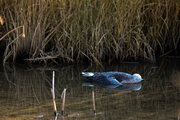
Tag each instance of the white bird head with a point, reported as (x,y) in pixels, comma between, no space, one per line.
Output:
(138,75)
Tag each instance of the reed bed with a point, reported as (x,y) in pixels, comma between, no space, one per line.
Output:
(79,30)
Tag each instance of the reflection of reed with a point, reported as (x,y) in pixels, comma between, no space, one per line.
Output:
(31,95)
(31,84)
(175,77)
(27,93)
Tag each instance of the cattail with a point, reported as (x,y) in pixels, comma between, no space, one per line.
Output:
(1,20)
(23,34)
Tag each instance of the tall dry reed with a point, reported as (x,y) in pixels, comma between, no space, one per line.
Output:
(99,31)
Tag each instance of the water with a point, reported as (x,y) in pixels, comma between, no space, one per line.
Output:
(25,93)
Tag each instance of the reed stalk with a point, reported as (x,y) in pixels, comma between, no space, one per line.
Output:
(94,104)
(53,95)
(63,101)
(1,20)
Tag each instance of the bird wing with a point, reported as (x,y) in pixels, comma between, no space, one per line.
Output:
(113,80)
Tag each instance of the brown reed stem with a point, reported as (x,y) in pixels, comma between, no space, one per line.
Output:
(11,32)
(1,20)
(23,35)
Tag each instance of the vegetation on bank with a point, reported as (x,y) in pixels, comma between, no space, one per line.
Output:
(97,30)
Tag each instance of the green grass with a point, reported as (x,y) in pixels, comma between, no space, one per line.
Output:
(106,30)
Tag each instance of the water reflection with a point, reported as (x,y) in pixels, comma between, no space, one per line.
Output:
(25,93)
(124,87)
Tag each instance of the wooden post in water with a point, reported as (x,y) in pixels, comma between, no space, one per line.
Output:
(63,96)
(53,95)
(93,99)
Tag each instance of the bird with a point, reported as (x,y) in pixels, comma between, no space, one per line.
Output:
(112,78)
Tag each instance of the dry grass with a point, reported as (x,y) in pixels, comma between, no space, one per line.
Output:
(94,30)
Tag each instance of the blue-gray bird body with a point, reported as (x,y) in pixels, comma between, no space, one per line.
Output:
(112,78)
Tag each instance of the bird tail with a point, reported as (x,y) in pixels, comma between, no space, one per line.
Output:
(87,74)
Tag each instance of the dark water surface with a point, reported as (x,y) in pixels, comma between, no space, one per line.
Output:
(25,93)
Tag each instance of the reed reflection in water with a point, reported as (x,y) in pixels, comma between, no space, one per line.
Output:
(25,93)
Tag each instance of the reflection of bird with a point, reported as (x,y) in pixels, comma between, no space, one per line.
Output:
(123,87)
(112,78)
